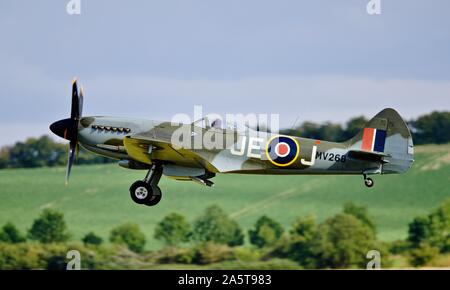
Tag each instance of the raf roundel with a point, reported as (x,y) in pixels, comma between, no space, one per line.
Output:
(282,150)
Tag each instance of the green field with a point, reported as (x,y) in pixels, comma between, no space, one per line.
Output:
(97,198)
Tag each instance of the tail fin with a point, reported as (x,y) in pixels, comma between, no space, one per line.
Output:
(388,134)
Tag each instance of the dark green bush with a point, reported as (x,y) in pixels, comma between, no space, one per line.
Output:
(130,235)
(423,254)
(399,247)
(342,241)
(92,239)
(10,234)
(433,229)
(266,232)
(361,213)
(173,230)
(50,227)
(215,226)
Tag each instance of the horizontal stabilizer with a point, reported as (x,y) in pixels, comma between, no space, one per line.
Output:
(367,155)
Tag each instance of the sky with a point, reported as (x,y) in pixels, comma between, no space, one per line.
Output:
(316,60)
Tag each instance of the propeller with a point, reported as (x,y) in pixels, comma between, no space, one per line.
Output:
(68,128)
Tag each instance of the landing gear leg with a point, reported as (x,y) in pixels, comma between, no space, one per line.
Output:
(147,191)
(368,181)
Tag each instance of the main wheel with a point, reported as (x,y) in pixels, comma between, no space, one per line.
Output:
(368,182)
(155,197)
(141,192)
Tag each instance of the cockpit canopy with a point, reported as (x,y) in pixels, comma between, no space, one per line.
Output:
(218,123)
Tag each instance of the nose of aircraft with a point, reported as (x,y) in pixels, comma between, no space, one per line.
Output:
(63,128)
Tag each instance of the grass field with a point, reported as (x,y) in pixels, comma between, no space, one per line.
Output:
(97,198)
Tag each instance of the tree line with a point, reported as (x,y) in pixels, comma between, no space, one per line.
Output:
(43,151)
(341,241)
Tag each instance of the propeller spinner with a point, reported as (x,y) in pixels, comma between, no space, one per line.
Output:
(68,128)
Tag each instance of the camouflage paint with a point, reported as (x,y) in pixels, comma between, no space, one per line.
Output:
(149,141)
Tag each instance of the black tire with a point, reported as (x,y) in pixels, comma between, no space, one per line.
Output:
(368,182)
(141,192)
(155,197)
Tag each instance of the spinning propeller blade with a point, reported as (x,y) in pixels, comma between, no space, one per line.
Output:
(68,128)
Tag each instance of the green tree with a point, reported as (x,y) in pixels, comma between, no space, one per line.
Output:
(360,212)
(342,242)
(266,232)
(215,226)
(173,230)
(36,152)
(423,254)
(4,157)
(130,235)
(353,126)
(50,227)
(439,228)
(302,235)
(332,132)
(42,151)
(304,227)
(306,130)
(327,131)
(432,128)
(92,239)
(433,229)
(418,230)
(10,234)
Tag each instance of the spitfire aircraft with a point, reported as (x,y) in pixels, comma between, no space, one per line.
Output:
(383,146)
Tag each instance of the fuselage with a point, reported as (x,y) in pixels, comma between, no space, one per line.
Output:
(246,153)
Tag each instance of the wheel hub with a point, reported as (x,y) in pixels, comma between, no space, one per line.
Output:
(141,192)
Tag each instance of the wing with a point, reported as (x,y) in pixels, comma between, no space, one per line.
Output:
(156,145)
